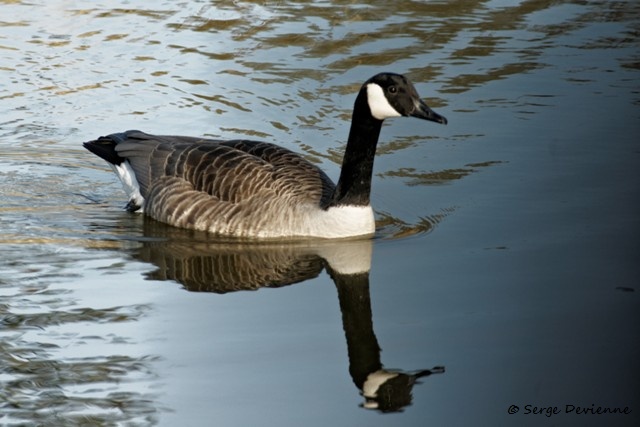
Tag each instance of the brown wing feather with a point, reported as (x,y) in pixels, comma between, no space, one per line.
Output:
(230,171)
(294,174)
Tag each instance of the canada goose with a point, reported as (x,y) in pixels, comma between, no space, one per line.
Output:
(255,189)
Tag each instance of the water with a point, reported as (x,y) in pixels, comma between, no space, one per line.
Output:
(507,249)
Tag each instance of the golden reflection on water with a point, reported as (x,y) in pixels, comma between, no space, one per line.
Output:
(249,39)
(438,177)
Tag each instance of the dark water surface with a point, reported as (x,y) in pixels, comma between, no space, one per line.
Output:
(508,249)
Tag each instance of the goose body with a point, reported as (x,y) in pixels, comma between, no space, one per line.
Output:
(243,188)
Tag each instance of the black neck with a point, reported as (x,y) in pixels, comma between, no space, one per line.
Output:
(354,185)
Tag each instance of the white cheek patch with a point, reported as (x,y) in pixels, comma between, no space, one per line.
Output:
(378,103)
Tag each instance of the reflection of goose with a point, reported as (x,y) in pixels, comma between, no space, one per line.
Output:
(256,189)
(202,265)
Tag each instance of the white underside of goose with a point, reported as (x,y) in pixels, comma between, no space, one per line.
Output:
(333,223)
(305,221)
(129,183)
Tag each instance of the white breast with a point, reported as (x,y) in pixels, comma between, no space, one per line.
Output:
(343,221)
(312,221)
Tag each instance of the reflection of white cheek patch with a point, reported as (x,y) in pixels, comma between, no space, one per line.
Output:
(378,104)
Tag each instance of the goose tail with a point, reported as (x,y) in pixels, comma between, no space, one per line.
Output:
(105,148)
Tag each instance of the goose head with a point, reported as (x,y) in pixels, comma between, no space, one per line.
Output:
(393,95)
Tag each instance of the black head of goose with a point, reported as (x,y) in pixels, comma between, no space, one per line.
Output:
(242,188)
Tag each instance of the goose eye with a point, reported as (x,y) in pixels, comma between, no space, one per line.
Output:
(393,89)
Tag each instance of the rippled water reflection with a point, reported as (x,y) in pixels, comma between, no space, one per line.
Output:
(522,214)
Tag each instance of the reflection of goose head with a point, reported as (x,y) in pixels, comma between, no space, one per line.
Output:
(390,391)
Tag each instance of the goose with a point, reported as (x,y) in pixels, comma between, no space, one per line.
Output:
(259,190)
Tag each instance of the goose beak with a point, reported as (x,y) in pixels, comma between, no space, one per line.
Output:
(422,111)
